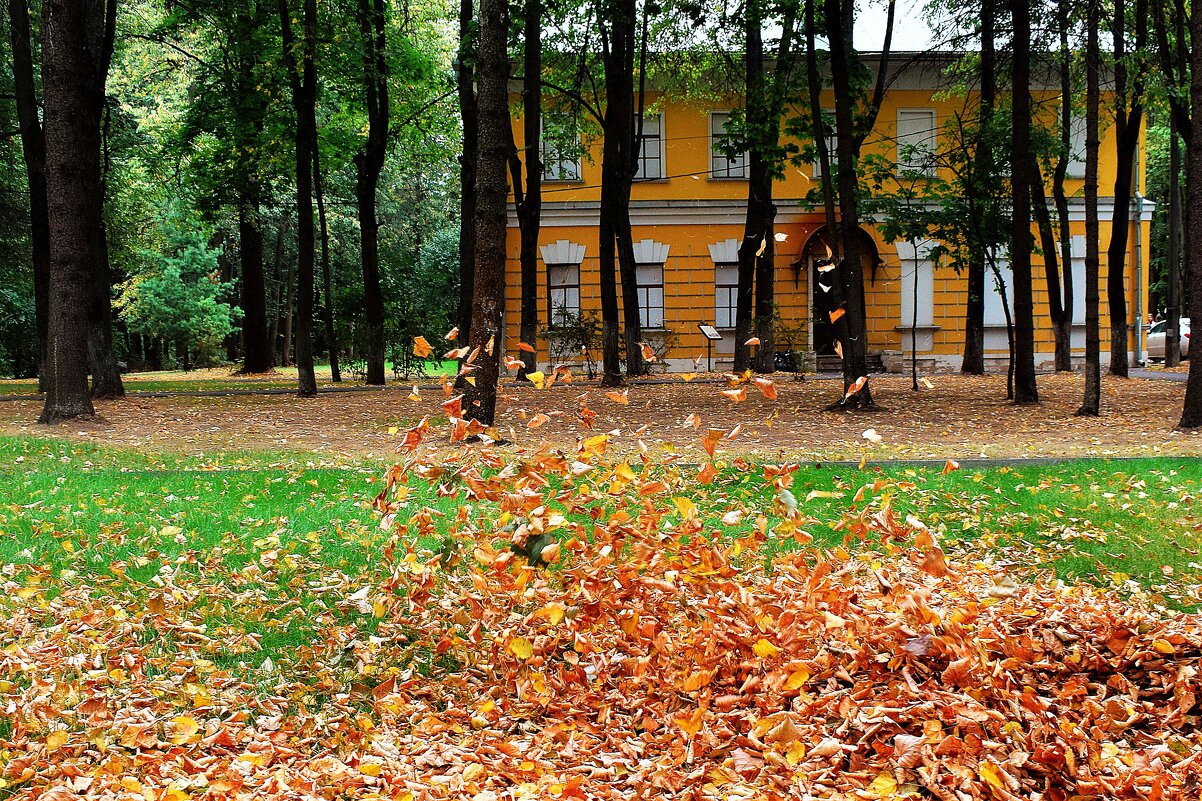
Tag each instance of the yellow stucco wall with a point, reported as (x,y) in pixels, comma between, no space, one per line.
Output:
(689,269)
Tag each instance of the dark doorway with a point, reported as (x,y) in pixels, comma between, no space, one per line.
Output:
(816,254)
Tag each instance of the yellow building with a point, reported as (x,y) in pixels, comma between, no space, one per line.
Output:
(687,213)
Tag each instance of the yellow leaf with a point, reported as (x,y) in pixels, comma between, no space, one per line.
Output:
(56,740)
(797,679)
(185,727)
(883,785)
(370,769)
(991,774)
(686,507)
(795,752)
(393,429)
(764,649)
(422,348)
(537,378)
(521,648)
(1163,646)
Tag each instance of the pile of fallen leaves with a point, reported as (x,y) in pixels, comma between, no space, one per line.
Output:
(587,631)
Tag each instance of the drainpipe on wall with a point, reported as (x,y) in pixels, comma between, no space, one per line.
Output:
(1139,279)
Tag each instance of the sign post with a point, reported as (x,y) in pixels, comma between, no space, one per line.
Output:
(711,336)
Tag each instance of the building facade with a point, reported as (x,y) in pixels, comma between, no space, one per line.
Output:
(687,211)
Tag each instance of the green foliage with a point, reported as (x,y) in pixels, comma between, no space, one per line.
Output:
(575,336)
(177,298)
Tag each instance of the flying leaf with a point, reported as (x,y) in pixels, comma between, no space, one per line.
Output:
(539,419)
(753,341)
(836,314)
(452,335)
(871,435)
(537,379)
(711,438)
(767,387)
(763,246)
(455,353)
(422,348)
(513,364)
(736,395)
(619,397)
(648,353)
(526,347)
(949,466)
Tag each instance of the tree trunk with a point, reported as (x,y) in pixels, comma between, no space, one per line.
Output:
(106,378)
(1172,352)
(1025,390)
(529,209)
(973,362)
(465,83)
(304,100)
(491,196)
(1191,413)
(258,345)
(1051,271)
(618,24)
(78,39)
(851,327)
(33,149)
(1092,403)
(1064,362)
(368,165)
(327,278)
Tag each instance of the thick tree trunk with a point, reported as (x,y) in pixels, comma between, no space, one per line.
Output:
(1025,390)
(618,162)
(33,150)
(530,207)
(480,401)
(851,327)
(78,47)
(327,278)
(465,83)
(258,346)
(368,165)
(1191,413)
(303,78)
(1092,402)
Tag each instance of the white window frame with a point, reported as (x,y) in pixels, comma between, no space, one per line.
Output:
(830,148)
(651,295)
(722,167)
(1076,148)
(658,158)
(557,169)
(916,264)
(726,295)
(563,296)
(995,315)
(917,143)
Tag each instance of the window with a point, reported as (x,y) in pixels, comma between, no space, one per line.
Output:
(1076,148)
(721,165)
(650,279)
(916,266)
(651,150)
(916,140)
(726,294)
(828,124)
(561,160)
(995,313)
(563,293)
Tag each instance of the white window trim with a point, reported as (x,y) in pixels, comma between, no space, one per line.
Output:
(831,141)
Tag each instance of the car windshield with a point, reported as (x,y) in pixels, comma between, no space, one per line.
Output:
(1156,329)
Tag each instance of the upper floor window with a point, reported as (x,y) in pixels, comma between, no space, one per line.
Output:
(722,165)
(561,160)
(828,125)
(650,279)
(916,129)
(651,149)
(1076,148)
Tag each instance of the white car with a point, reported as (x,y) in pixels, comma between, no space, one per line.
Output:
(1157,335)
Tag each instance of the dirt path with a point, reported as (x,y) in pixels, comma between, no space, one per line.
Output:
(959,417)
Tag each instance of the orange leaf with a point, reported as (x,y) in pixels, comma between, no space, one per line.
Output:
(951,465)
(648,353)
(422,348)
(766,387)
(711,438)
(451,335)
(836,314)
(453,407)
(525,347)
(619,397)
(706,474)
(752,341)
(736,395)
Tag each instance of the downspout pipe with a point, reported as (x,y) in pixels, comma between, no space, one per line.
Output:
(1139,278)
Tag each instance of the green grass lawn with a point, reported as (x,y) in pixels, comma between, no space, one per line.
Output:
(274,521)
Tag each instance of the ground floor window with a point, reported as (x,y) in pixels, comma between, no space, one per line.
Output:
(650,279)
(563,284)
(726,294)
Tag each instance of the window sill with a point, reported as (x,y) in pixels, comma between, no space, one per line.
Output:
(723,179)
(563,181)
(921,327)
